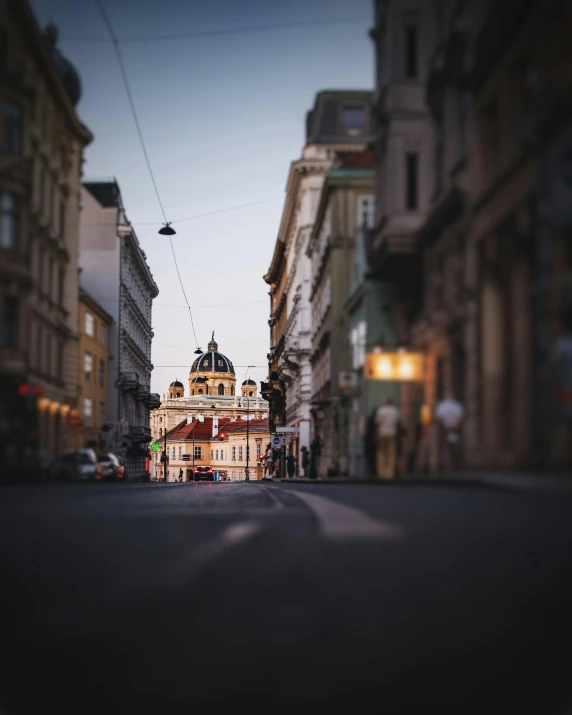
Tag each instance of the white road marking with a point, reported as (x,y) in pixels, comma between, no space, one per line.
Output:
(338,521)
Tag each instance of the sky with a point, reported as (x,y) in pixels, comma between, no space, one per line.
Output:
(222,115)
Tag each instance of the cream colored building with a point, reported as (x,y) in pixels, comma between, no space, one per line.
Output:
(217,443)
(212,394)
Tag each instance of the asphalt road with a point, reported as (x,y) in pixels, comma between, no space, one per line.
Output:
(285,598)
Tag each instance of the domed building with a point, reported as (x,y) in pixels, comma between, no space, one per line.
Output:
(211,394)
(212,373)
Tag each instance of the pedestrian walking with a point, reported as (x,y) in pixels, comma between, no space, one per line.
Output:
(290,465)
(315,455)
(305,461)
(269,462)
(423,436)
(450,415)
(387,421)
(181,474)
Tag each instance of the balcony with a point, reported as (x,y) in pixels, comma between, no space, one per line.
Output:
(154,401)
(128,381)
(393,255)
(139,433)
(143,393)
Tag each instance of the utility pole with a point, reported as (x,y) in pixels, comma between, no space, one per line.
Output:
(166,462)
(247,445)
(247,475)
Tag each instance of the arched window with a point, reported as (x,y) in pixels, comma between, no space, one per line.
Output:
(206,389)
(193,392)
(221,389)
(200,392)
(250,394)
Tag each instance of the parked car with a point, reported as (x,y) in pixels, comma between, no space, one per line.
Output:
(203,474)
(76,466)
(111,468)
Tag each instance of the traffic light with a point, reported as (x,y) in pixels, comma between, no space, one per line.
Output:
(222,436)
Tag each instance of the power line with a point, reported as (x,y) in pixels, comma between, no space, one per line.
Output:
(211,213)
(182,288)
(265,367)
(130,98)
(189,347)
(142,142)
(231,31)
(215,305)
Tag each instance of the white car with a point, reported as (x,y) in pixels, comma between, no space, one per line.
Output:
(77,466)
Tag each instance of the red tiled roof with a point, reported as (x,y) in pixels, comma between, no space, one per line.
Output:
(240,426)
(202,430)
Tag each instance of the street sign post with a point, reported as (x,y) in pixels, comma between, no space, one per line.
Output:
(276,441)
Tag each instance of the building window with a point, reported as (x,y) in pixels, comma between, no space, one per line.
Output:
(89,324)
(61,285)
(353,119)
(221,389)
(220,363)
(411,180)
(9,220)
(60,363)
(234,454)
(103,333)
(411,54)
(180,449)
(101,373)
(101,414)
(366,212)
(216,453)
(200,392)
(13,127)
(87,366)
(240,453)
(3,52)
(87,410)
(212,454)
(198,452)
(10,322)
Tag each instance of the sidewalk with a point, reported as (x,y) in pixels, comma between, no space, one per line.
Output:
(511,481)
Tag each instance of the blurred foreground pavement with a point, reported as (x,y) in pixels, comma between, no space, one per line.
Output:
(120,598)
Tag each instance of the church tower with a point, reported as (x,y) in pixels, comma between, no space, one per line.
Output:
(249,388)
(176,389)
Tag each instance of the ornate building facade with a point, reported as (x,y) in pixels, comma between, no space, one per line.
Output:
(42,140)
(211,396)
(339,121)
(114,271)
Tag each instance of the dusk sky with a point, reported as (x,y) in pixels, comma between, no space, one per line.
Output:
(223,116)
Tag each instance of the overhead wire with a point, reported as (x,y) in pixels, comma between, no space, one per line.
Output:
(218,211)
(127,86)
(228,31)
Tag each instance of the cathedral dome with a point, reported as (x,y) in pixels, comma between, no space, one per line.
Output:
(212,361)
(249,382)
(176,383)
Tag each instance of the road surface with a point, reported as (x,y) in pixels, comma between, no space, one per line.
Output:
(136,598)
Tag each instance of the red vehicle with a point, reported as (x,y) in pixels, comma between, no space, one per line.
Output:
(203,474)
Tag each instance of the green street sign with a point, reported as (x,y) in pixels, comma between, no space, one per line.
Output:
(155,446)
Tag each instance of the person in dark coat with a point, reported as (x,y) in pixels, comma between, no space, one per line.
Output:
(305,461)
